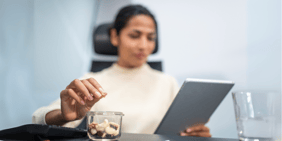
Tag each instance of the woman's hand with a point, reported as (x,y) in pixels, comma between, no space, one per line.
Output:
(79,97)
(199,130)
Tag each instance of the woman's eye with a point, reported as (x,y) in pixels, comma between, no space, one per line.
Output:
(133,36)
(151,38)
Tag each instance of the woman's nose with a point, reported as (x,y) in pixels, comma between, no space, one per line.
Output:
(143,43)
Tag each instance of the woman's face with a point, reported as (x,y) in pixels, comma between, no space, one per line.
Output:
(136,41)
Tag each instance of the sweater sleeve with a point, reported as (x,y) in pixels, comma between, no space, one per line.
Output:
(38,116)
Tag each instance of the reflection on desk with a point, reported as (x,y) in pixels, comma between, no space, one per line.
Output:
(155,137)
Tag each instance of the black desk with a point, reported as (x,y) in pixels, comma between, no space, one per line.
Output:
(39,132)
(148,137)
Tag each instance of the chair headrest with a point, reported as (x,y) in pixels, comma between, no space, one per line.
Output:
(102,43)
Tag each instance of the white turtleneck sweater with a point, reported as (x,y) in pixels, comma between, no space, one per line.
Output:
(142,94)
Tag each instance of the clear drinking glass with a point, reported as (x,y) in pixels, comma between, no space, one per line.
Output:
(254,113)
(104,125)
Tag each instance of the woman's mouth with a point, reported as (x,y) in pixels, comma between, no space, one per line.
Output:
(140,55)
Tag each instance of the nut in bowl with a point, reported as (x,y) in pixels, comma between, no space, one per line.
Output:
(103,125)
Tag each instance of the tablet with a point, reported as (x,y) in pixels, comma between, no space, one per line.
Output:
(195,102)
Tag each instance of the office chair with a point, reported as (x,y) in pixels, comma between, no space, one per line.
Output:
(102,45)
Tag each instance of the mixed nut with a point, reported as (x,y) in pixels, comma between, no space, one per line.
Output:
(103,129)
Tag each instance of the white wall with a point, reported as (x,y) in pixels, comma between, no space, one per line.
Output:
(219,39)
(44,45)
(16,62)
(63,44)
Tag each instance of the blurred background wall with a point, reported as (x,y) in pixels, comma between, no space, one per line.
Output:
(229,40)
(44,45)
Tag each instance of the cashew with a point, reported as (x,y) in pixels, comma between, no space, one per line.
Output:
(102,126)
(114,124)
(93,131)
(111,131)
(104,135)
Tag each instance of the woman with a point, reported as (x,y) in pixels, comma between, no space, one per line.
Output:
(130,85)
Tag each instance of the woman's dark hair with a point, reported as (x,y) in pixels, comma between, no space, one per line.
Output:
(128,12)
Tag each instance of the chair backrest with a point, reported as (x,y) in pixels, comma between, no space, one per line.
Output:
(102,45)
(100,65)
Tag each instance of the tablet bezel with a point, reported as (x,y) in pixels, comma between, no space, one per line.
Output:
(208,84)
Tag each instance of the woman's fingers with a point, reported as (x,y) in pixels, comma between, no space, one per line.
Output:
(67,93)
(77,84)
(91,89)
(197,128)
(204,134)
(97,86)
(88,87)
(200,134)
(81,90)
(197,134)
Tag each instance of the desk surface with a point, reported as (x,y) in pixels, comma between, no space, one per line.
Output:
(148,137)
(32,132)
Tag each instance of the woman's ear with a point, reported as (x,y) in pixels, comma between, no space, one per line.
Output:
(114,37)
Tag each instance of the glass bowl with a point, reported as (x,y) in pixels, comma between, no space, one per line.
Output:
(103,125)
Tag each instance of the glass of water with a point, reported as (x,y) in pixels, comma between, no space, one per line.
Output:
(254,115)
